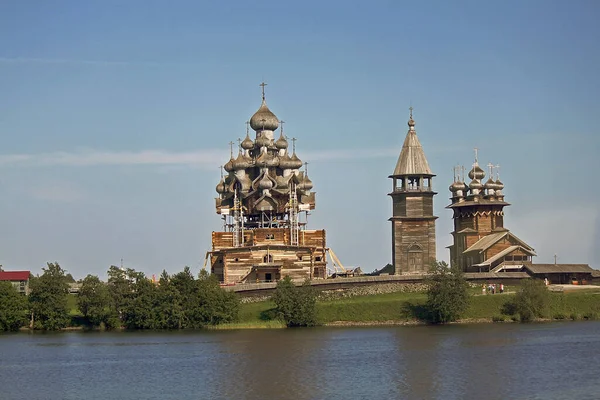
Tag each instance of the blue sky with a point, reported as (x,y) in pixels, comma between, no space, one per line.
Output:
(115,116)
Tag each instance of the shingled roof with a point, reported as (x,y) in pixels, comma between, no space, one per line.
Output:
(559,268)
(412,160)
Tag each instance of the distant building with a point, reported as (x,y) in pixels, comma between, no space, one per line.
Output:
(413,222)
(264,200)
(481,243)
(19,279)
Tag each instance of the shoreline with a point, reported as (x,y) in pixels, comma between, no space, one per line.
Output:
(333,324)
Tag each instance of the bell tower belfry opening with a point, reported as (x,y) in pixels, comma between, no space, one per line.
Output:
(413,222)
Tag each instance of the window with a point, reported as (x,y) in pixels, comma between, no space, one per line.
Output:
(317,258)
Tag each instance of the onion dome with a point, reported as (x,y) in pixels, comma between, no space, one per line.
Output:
(296,162)
(490,184)
(477,172)
(229,166)
(247,143)
(456,186)
(242,162)
(265,183)
(263,141)
(264,119)
(307,183)
(281,143)
(285,162)
(475,184)
(221,188)
(499,185)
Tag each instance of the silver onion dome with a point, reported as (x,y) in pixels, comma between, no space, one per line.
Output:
(285,162)
(456,186)
(242,162)
(265,183)
(247,143)
(476,173)
(264,119)
(281,143)
(221,187)
(490,184)
(475,184)
(296,162)
(229,165)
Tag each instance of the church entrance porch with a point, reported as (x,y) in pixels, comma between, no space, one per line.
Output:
(267,273)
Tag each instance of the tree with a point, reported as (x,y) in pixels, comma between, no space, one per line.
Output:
(119,288)
(213,305)
(296,306)
(13,308)
(448,293)
(94,302)
(48,299)
(69,278)
(140,309)
(531,300)
(186,287)
(170,312)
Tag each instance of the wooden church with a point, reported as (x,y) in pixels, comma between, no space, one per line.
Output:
(481,243)
(264,198)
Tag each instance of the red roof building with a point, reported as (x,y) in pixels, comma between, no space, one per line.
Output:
(19,279)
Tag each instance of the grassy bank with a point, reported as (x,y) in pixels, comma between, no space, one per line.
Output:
(403,307)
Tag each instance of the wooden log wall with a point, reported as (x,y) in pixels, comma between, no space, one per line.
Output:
(413,236)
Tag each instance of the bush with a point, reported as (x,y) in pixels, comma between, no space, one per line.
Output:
(498,318)
(531,300)
(296,306)
(448,294)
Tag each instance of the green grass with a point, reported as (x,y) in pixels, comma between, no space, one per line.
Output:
(401,307)
(72,304)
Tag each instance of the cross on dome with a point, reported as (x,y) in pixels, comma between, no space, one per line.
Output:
(262,85)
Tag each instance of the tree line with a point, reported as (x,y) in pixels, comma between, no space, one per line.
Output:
(127,300)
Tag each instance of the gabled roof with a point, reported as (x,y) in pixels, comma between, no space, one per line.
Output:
(14,275)
(485,242)
(488,241)
(412,160)
(504,253)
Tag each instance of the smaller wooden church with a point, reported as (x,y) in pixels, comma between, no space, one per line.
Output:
(481,242)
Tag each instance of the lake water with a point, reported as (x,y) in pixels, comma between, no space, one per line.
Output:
(487,361)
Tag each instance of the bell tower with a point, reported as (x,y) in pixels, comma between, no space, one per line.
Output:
(413,222)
